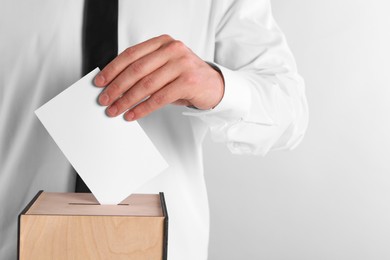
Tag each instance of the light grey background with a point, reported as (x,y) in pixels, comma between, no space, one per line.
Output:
(329,198)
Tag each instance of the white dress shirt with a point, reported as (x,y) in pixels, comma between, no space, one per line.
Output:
(263,107)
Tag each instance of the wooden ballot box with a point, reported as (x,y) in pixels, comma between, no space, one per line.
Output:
(75,226)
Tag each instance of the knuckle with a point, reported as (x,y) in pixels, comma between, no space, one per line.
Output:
(177,46)
(129,52)
(123,102)
(148,83)
(109,71)
(136,67)
(114,88)
(139,111)
(157,100)
(165,37)
(191,79)
(187,61)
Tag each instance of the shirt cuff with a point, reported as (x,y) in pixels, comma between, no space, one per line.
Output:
(236,100)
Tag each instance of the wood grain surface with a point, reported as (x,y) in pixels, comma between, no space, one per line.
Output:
(91,237)
(63,226)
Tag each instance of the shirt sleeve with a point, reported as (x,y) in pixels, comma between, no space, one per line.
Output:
(264,106)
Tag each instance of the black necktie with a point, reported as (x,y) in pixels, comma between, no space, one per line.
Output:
(100,42)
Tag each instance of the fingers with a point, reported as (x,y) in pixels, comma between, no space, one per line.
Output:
(127,57)
(144,88)
(171,93)
(135,72)
(155,73)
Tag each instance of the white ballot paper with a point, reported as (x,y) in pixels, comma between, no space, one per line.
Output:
(113,157)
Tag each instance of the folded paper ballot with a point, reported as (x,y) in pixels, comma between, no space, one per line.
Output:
(113,157)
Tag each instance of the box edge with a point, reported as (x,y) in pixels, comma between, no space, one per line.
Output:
(165,214)
(23,213)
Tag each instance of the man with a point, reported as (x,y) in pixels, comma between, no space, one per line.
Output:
(255,103)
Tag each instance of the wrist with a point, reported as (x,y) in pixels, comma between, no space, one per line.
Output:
(220,85)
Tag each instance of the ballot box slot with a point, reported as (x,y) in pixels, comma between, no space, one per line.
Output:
(93,204)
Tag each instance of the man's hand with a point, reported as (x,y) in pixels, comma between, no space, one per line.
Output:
(164,70)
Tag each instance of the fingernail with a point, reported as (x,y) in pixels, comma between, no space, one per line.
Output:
(103,99)
(99,80)
(129,116)
(112,110)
